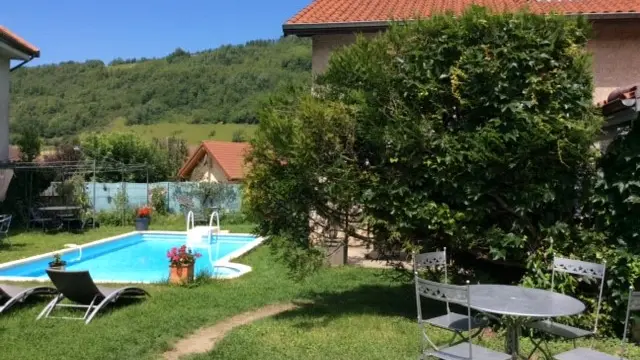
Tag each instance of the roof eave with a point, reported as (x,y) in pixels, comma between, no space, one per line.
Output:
(607,16)
(192,162)
(10,39)
(310,29)
(13,52)
(334,28)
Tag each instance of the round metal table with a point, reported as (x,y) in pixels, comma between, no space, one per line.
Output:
(519,305)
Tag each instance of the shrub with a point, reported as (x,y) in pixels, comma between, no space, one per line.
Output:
(472,132)
(158,197)
(233,218)
(238,136)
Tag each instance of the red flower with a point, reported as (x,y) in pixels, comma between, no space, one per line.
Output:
(182,256)
(144,211)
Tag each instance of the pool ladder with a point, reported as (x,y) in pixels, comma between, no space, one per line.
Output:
(217,229)
(192,232)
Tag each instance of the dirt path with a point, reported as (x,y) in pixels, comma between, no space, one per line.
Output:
(206,338)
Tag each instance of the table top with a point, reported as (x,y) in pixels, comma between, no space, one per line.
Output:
(522,301)
(58,208)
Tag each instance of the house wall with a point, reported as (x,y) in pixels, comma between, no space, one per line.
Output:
(324,45)
(616,62)
(614,46)
(4,108)
(208,171)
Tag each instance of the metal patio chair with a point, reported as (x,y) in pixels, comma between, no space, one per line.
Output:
(5,224)
(633,304)
(460,351)
(36,217)
(452,321)
(574,267)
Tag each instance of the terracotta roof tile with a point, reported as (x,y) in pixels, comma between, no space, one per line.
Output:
(18,42)
(349,11)
(229,155)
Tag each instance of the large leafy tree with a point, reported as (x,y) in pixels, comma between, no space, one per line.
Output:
(302,172)
(133,159)
(473,132)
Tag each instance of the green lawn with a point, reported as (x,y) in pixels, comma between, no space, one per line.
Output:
(192,133)
(357,313)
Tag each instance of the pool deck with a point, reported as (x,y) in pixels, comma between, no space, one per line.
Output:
(222,262)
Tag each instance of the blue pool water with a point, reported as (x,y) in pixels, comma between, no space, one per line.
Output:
(135,258)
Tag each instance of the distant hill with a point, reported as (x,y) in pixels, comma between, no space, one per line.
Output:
(224,85)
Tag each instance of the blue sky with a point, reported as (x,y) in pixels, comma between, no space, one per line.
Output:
(87,29)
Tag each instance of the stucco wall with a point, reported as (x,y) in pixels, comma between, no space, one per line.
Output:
(614,45)
(209,171)
(4,108)
(323,46)
(616,62)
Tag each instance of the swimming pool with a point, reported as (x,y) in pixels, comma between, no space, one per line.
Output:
(138,257)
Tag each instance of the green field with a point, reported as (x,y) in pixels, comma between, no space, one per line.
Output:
(192,133)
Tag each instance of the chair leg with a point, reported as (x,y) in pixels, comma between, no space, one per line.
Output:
(93,301)
(52,304)
(476,334)
(451,341)
(537,345)
(111,298)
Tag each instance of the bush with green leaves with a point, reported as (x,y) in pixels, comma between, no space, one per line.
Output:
(158,196)
(609,232)
(162,157)
(29,141)
(238,136)
(122,214)
(473,132)
(476,131)
(73,191)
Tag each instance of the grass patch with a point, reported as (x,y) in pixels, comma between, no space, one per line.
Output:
(35,242)
(193,134)
(355,313)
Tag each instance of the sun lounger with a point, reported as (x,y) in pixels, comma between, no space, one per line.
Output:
(11,295)
(78,287)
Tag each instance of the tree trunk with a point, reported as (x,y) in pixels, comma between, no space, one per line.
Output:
(345,241)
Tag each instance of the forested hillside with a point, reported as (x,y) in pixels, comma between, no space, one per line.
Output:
(224,85)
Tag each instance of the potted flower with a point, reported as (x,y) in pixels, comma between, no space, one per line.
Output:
(143,216)
(181,264)
(57,263)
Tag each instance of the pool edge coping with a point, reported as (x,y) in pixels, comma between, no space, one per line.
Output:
(222,262)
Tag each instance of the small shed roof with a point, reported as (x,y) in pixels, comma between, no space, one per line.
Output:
(228,155)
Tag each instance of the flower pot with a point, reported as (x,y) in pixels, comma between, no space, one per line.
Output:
(181,274)
(142,224)
(59,268)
